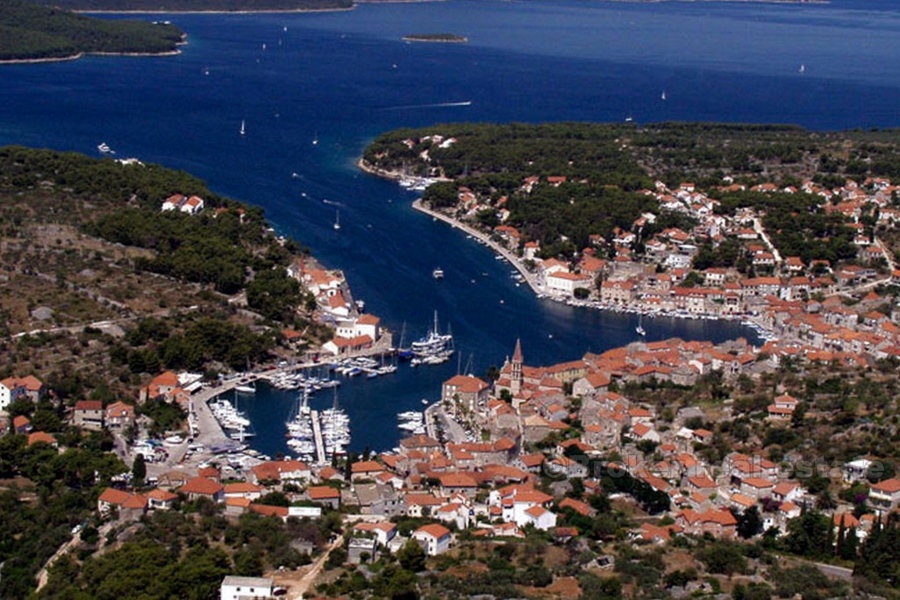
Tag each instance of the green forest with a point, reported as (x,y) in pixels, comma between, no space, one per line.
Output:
(32,31)
(606,165)
(228,248)
(176,6)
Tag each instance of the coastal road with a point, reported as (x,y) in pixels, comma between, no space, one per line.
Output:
(530,278)
(453,431)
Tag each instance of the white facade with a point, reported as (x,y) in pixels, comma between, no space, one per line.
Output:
(5,397)
(566,283)
(242,588)
(434,543)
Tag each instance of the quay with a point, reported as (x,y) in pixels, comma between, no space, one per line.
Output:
(530,278)
(317,436)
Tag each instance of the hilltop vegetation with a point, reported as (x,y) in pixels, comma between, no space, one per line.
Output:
(176,6)
(605,167)
(32,31)
(83,240)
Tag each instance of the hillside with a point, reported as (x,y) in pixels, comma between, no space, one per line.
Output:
(600,173)
(33,32)
(100,286)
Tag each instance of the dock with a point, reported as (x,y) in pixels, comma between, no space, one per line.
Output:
(317,436)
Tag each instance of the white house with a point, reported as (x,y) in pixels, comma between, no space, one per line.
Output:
(514,500)
(538,516)
(235,588)
(172,202)
(192,205)
(383,531)
(884,496)
(13,388)
(5,396)
(565,284)
(434,538)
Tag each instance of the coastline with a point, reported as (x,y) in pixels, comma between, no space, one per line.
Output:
(424,40)
(511,258)
(532,280)
(26,61)
(216,12)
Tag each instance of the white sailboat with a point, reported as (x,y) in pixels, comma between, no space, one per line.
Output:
(243,127)
(337,220)
(640,329)
(663,96)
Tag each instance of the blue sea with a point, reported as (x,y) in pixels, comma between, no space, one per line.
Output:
(314,89)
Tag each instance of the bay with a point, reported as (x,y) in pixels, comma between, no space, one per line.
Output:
(313,89)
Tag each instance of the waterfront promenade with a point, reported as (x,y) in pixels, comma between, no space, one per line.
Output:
(530,278)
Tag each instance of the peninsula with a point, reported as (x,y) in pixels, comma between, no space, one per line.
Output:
(677,220)
(31,32)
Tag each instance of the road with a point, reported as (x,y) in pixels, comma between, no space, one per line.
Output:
(297,592)
(835,571)
(453,431)
(533,281)
(757,226)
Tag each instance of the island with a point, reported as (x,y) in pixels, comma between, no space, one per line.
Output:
(31,32)
(446,38)
(204,6)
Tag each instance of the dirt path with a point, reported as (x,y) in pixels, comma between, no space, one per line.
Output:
(297,591)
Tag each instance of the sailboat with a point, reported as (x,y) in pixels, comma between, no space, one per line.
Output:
(803,68)
(640,329)
(243,127)
(663,96)
(337,220)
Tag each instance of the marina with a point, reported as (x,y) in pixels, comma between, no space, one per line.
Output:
(391,264)
(318,436)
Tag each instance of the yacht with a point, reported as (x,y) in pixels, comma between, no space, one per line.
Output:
(300,430)
(640,329)
(337,220)
(105,149)
(438,273)
(243,128)
(434,344)
(246,388)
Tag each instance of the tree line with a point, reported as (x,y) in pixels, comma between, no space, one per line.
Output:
(176,6)
(606,166)
(33,31)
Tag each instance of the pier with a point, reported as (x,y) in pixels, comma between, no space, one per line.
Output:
(317,436)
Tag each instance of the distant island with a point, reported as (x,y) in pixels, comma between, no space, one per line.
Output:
(31,32)
(195,6)
(446,38)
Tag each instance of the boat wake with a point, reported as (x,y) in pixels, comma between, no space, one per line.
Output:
(331,202)
(434,105)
